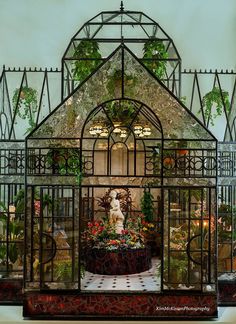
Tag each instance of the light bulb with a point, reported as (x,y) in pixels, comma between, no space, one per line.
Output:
(117,130)
(138,129)
(146,131)
(104,132)
(123,133)
(92,131)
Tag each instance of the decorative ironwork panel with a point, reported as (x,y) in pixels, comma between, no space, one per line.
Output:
(226,232)
(101,35)
(52,237)
(189,239)
(30,102)
(11,231)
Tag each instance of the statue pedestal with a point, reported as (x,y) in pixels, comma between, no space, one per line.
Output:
(119,262)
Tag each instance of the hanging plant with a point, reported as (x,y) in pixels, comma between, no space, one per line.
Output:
(24,102)
(25,105)
(155,51)
(121,111)
(217,99)
(87,57)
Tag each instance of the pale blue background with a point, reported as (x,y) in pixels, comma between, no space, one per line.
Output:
(37,32)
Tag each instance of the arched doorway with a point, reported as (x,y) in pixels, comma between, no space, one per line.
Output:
(122,144)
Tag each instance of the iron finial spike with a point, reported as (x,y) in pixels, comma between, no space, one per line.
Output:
(121,6)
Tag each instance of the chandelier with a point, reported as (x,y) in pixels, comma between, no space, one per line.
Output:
(100,128)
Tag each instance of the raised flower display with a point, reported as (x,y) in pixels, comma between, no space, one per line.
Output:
(108,252)
(102,235)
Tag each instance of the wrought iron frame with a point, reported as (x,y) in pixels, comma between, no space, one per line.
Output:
(206,172)
(176,86)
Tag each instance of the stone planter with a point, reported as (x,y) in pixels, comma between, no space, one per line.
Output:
(119,262)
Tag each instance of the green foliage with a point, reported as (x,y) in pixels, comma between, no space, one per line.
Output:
(224,208)
(63,270)
(147,206)
(71,115)
(114,84)
(198,194)
(47,201)
(25,105)
(13,252)
(3,252)
(215,98)
(19,201)
(155,51)
(65,161)
(88,51)
(14,229)
(123,111)
(175,270)
(178,265)
(183,99)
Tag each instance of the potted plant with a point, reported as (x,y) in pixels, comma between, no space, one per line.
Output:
(86,59)
(218,99)
(182,151)
(156,55)
(168,159)
(25,105)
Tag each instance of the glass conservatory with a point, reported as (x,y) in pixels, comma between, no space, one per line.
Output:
(121,202)
(21,109)
(111,203)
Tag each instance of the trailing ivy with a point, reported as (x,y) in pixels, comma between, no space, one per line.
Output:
(86,59)
(25,105)
(214,99)
(155,51)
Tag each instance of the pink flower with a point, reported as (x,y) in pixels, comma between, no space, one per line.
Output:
(37,207)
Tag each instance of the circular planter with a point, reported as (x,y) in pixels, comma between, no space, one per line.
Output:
(119,262)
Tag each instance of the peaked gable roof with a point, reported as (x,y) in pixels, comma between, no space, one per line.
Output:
(176,120)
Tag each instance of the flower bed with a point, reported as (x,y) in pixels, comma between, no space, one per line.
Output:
(116,254)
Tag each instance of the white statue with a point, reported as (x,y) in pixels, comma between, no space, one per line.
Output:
(116,217)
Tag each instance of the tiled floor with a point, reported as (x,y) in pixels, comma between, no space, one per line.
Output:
(143,281)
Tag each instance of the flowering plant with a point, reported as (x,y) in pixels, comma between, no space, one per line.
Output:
(139,224)
(37,207)
(102,235)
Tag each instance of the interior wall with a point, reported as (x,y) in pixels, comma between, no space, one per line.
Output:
(36,33)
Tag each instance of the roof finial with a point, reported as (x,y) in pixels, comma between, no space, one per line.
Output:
(121,6)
